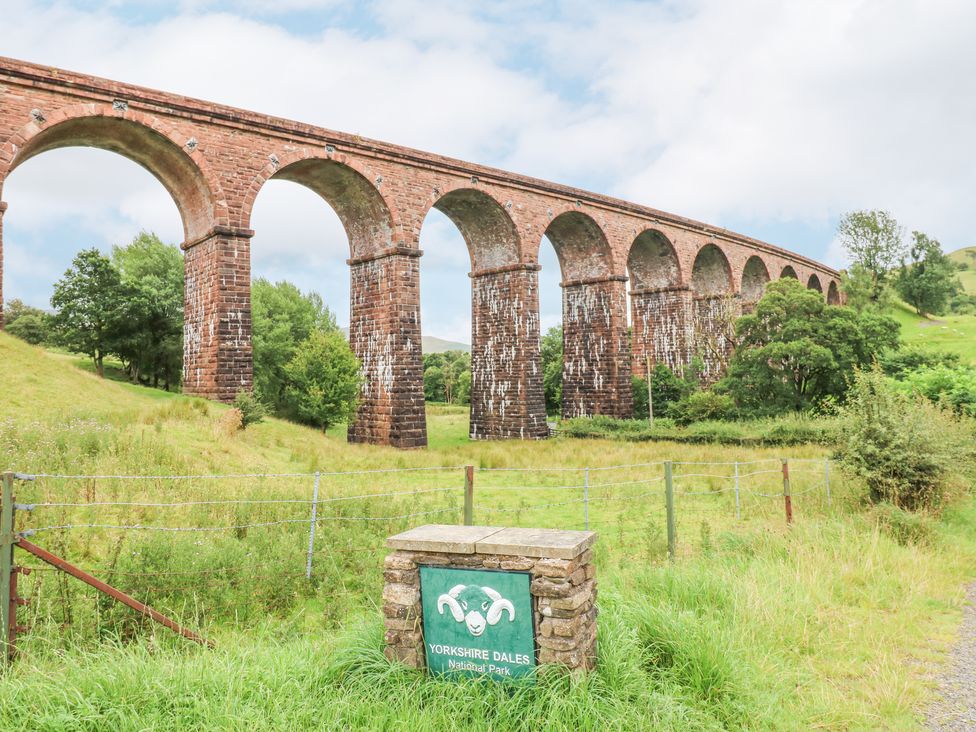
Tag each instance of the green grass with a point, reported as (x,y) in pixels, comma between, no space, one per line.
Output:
(832,624)
(955,333)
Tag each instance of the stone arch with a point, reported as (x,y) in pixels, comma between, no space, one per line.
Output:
(140,137)
(755,276)
(653,262)
(711,274)
(788,271)
(581,246)
(833,293)
(813,283)
(368,220)
(487,228)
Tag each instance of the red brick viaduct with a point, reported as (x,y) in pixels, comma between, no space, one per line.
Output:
(684,276)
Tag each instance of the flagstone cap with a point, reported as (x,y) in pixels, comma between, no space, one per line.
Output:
(451,539)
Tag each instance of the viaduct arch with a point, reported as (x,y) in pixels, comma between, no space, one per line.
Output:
(684,278)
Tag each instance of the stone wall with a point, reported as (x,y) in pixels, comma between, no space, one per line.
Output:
(563,588)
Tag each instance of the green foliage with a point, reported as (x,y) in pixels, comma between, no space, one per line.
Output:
(282,317)
(447,377)
(149,338)
(912,358)
(930,279)
(323,380)
(667,388)
(27,323)
(873,239)
(551,350)
(89,300)
(903,447)
(700,406)
(252,409)
(950,386)
(795,351)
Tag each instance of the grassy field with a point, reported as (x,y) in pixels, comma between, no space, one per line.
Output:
(955,333)
(834,623)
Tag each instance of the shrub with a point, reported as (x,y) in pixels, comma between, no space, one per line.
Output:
(323,380)
(911,358)
(905,448)
(952,386)
(252,409)
(702,405)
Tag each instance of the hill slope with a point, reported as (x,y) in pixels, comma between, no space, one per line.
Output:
(966,256)
(954,333)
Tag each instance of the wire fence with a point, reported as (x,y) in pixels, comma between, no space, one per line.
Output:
(218,545)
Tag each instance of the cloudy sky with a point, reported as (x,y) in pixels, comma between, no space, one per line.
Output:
(767,117)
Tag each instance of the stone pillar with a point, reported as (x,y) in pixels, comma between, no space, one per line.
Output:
(561,580)
(715,317)
(3,207)
(217,314)
(506,376)
(596,348)
(384,332)
(662,328)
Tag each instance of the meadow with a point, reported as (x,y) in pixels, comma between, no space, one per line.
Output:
(835,622)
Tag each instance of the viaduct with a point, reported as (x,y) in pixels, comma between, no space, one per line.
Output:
(684,277)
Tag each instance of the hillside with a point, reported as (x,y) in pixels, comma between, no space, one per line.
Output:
(967,256)
(954,333)
(433,344)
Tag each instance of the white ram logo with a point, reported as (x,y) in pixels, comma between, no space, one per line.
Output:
(478,607)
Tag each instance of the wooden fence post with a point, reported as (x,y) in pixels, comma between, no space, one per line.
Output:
(787,496)
(7,539)
(469,495)
(669,505)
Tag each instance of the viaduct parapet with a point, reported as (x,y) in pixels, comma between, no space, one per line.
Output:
(685,278)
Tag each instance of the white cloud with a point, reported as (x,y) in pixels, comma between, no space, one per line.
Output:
(757,111)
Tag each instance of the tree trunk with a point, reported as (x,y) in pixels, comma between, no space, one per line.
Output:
(99,366)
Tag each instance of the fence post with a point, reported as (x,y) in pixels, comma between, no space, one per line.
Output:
(469,495)
(827,478)
(7,540)
(311,526)
(787,496)
(586,498)
(669,505)
(738,508)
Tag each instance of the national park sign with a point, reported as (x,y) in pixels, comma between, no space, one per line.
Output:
(477,622)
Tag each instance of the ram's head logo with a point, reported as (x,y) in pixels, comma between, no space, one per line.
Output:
(477,607)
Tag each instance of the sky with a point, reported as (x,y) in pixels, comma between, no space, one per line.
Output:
(771,118)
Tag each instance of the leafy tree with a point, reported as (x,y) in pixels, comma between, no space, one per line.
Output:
(26,322)
(150,338)
(552,369)
(873,239)
(667,387)
(796,351)
(282,318)
(89,302)
(463,389)
(434,384)
(858,285)
(323,379)
(931,279)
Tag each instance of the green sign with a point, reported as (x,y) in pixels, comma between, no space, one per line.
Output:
(478,622)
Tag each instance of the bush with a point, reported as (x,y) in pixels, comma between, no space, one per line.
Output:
(905,360)
(323,380)
(700,406)
(252,409)
(906,449)
(953,387)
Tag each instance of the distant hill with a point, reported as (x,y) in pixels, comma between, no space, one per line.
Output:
(433,344)
(966,256)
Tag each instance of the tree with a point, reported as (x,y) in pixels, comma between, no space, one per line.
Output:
(150,341)
(434,384)
(88,302)
(931,279)
(282,318)
(551,351)
(796,351)
(26,322)
(873,239)
(322,380)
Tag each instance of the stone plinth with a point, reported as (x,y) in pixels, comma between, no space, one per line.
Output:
(562,582)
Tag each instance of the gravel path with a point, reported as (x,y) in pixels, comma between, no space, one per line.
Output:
(956,707)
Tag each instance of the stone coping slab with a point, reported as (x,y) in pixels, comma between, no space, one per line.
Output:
(448,538)
(452,539)
(551,543)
